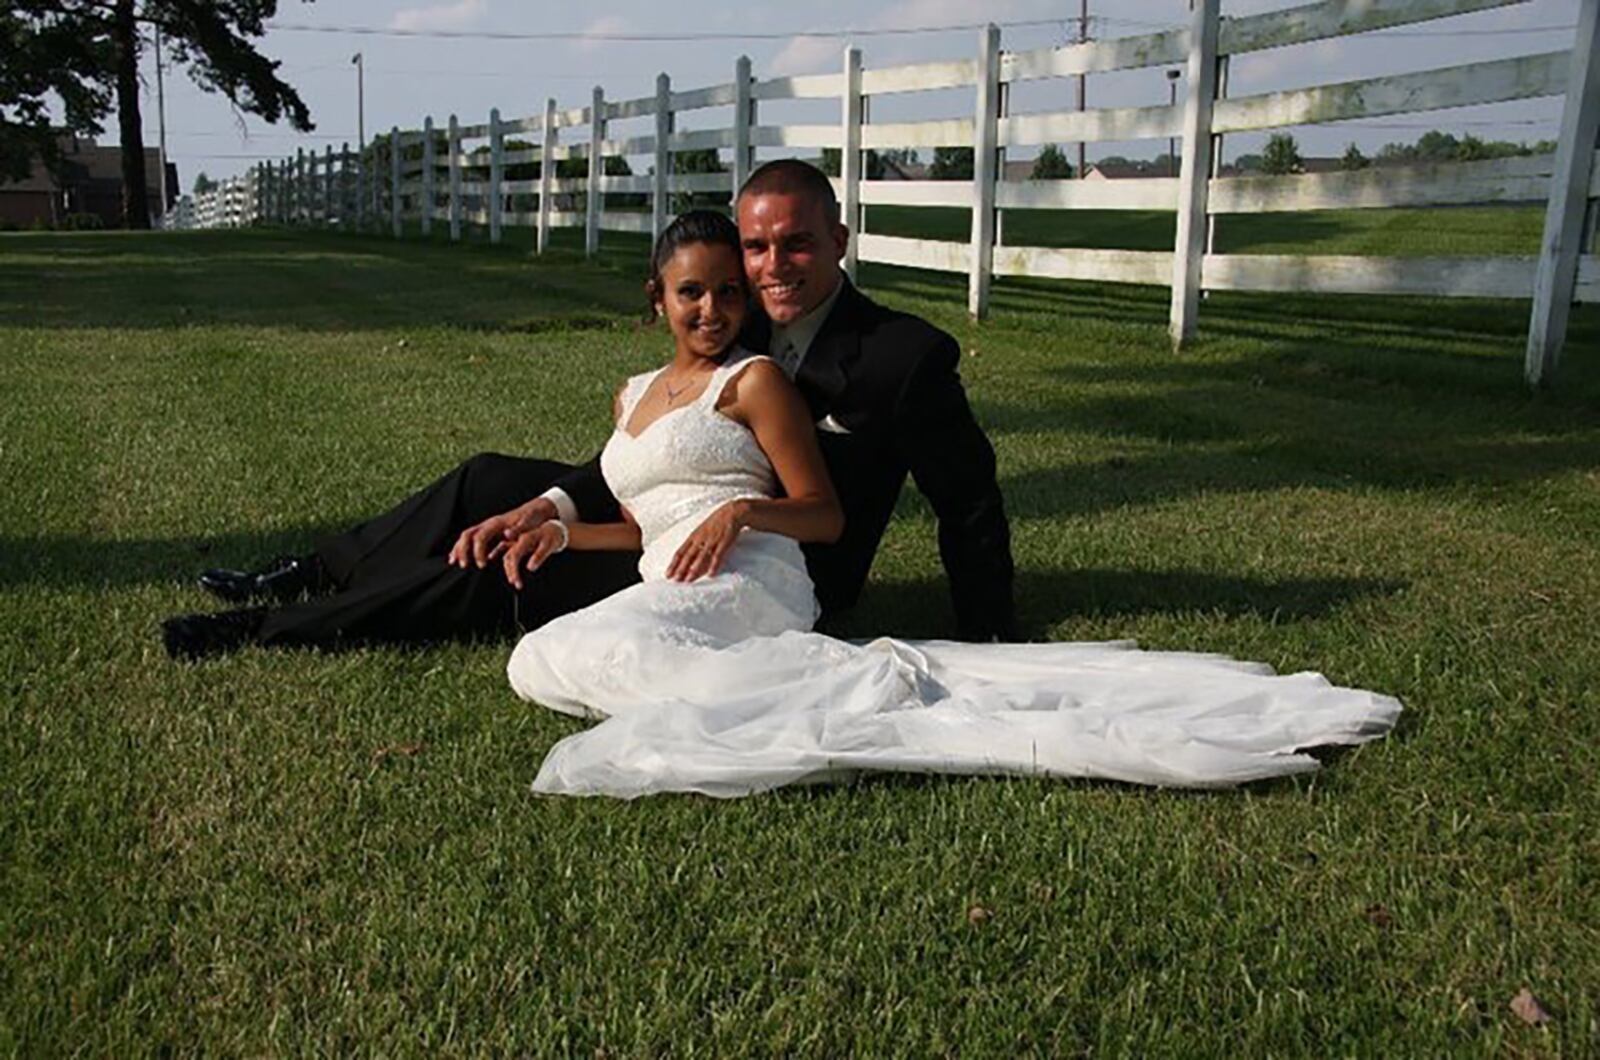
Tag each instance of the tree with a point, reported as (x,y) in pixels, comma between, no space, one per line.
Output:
(46,57)
(951,163)
(705,160)
(1281,155)
(1051,164)
(900,157)
(1436,146)
(86,52)
(203,185)
(876,167)
(1353,158)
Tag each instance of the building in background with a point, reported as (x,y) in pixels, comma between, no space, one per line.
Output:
(85,192)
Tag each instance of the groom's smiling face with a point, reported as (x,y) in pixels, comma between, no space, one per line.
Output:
(792,250)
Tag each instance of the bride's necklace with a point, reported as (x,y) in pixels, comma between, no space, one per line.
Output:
(674,395)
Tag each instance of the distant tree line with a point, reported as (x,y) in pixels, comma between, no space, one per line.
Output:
(1282,153)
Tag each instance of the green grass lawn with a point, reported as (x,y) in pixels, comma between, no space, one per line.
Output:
(289,852)
(1455,232)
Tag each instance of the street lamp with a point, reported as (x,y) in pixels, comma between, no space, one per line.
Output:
(1172,101)
(361,104)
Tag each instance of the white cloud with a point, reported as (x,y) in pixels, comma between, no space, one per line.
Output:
(594,32)
(808,55)
(459,15)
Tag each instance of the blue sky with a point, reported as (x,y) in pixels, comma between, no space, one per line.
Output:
(409,77)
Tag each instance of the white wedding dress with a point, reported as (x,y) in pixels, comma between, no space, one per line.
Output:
(718,686)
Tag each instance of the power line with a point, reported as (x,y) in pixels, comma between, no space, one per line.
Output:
(397,72)
(642,38)
(261,135)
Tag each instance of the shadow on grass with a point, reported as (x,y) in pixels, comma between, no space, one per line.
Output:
(304,281)
(1046,598)
(915,608)
(80,563)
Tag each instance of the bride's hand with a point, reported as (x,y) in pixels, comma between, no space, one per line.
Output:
(529,551)
(702,553)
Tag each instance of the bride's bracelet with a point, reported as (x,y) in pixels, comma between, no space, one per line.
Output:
(566,535)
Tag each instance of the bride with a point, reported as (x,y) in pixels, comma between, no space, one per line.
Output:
(709,679)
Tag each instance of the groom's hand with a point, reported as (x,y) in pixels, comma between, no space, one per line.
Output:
(484,542)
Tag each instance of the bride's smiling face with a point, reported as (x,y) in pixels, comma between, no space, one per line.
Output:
(702,294)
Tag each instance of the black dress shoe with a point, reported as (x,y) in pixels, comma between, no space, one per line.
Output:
(285,578)
(197,636)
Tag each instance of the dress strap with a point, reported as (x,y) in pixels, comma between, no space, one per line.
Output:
(738,360)
(632,391)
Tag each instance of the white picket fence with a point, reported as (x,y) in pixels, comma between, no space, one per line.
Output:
(404,180)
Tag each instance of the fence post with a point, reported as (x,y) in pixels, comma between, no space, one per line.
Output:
(850,155)
(352,189)
(394,180)
(1216,155)
(299,185)
(454,148)
(658,208)
(373,184)
(985,151)
(496,174)
(427,176)
(327,185)
(742,120)
(592,201)
(1555,282)
(547,172)
(346,208)
(1194,175)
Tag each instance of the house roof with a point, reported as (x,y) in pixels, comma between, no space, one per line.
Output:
(85,162)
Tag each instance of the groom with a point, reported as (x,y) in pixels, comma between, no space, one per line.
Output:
(882,385)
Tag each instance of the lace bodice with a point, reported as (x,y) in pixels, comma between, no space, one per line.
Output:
(683,466)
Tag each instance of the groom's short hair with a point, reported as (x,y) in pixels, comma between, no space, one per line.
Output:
(790,176)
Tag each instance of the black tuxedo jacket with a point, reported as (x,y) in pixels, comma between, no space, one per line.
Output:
(890,381)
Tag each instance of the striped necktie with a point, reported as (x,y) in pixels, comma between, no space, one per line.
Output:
(788,357)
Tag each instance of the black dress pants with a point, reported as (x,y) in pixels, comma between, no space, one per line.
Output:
(394,584)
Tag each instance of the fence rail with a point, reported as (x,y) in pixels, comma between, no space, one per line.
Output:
(494,173)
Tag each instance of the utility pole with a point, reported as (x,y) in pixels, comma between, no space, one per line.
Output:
(161,124)
(1083,80)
